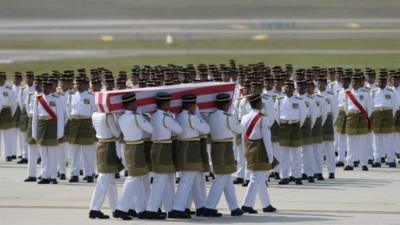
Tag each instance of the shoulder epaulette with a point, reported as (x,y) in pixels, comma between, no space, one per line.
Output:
(365,90)
(329,92)
(319,95)
(7,86)
(299,98)
(389,89)
(55,95)
(279,97)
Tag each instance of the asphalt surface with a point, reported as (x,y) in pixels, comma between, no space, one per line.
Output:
(353,198)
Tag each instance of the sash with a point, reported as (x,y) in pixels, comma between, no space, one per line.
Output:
(359,106)
(47,108)
(253,123)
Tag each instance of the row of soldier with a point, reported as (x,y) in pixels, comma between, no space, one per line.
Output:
(309,119)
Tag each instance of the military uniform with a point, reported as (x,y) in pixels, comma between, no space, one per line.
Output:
(223,128)
(317,132)
(107,162)
(259,155)
(81,134)
(162,160)
(19,148)
(385,107)
(46,131)
(189,158)
(33,148)
(341,127)
(133,125)
(8,101)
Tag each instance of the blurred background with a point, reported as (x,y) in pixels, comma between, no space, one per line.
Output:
(45,35)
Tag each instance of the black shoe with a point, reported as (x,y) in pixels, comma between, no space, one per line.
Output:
(298,181)
(38,161)
(277,176)
(63,177)
(249,210)
(117,176)
(237,212)
(44,181)
(89,179)
(376,164)
(392,165)
(80,172)
(320,177)
(383,160)
(22,161)
(162,213)
(284,181)
(348,168)
(356,163)
(175,214)
(151,180)
(339,164)
(53,181)
(206,178)
(126,173)
(190,212)
(211,213)
(238,180)
(200,211)
(311,180)
(370,161)
(177,180)
(331,176)
(121,214)
(8,159)
(212,175)
(30,179)
(142,215)
(154,216)
(132,213)
(14,157)
(39,177)
(19,157)
(364,168)
(292,179)
(245,183)
(304,176)
(74,179)
(93,214)
(269,208)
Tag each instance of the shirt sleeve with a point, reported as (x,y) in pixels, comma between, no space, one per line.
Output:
(60,118)
(172,125)
(335,108)
(35,118)
(115,130)
(144,124)
(199,124)
(234,125)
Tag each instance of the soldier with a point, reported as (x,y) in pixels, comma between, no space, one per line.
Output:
(358,107)
(224,127)
(291,112)
(16,147)
(189,158)
(33,148)
(48,130)
(328,129)
(259,155)
(341,122)
(133,125)
(107,163)
(385,107)
(8,102)
(23,121)
(395,80)
(306,130)
(81,132)
(161,157)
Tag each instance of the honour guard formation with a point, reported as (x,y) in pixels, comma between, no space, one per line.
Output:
(280,124)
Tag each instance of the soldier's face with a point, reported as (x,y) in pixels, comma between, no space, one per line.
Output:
(38,87)
(17,81)
(289,90)
(321,85)
(395,82)
(80,86)
(301,88)
(96,87)
(382,83)
(29,81)
(370,79)
(47,89)
(346,83)
(310,89)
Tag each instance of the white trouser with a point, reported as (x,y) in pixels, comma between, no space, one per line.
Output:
(330,156)
(241,162)
(384,145)
(222,183)
(290,161)
(134,190)
(370,146)
(33,153)
(22,145)
(105,186)
(14,140)
(162,190)
(308,160)
(397,142)
(7,141)
(277,152)
(189,184)
(62,158)
(89,159)
(357,149)
(49,161)
(118,147)
(317,157)
(342,147)
(256,185)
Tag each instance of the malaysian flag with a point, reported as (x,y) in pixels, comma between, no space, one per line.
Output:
(111,101)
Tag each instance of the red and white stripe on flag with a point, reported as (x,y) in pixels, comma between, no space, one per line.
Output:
(111,101)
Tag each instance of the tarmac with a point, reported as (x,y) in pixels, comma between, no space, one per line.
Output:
(354,197)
